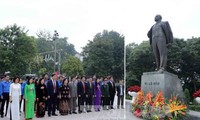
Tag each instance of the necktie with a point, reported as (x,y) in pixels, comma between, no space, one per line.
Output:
(54,85)
(83,87)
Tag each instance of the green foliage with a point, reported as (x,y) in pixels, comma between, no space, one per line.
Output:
(17,50)
(72,66)
(187,96)
(139,60)
(46,49)
(104,55)
(194,107)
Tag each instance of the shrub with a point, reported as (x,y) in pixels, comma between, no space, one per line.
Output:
(187,95)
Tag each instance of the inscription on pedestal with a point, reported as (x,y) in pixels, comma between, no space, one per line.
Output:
(166,82)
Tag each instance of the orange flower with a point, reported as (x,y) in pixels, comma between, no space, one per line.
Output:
(159,99)
(149,97)
(139,99)
(173,108)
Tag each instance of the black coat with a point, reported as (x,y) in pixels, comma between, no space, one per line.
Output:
(41,92)
(80,88)
(112,88)
(90,89)
(50,88)
(118,90)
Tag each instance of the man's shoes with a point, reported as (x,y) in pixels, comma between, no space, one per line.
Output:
(74,112)
(54,115)
(49,115)
(111,107)
(80,112)
(1,116)
(89,111)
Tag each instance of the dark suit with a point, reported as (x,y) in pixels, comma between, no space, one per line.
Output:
(112,91)
(52,101)
(106,96)
(90,95)
(81,95)
(120,94)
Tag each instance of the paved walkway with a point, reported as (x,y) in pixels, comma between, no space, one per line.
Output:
(114,114)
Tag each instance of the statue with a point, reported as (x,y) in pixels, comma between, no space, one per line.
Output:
(161,37)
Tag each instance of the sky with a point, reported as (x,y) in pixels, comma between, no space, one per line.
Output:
(81,20)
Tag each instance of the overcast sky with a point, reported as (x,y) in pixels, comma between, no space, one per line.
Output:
(80,20)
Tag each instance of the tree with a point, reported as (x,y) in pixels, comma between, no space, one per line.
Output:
(140,60)
(46,49)
(72,66)
(105,55)
(17,50)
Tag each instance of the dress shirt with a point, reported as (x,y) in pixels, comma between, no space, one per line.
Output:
(6,86)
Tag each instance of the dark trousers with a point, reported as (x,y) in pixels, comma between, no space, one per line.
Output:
(58,100)
(81,102)
(52,102)
(0,103)
(120,99)
(106,104)
(5,100)
(111,100)
(89,101)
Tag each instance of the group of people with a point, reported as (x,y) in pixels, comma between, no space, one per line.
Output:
(58,93)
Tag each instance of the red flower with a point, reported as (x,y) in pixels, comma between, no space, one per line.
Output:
(197,93)
(134,88)
(138,113)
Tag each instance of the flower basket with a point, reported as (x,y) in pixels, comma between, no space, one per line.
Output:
(134,88)
(158,108)
(196,95)
(132,91)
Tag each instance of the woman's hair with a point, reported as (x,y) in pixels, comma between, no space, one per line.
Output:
(15,78)
(28,81)
(40,81)
(65,80)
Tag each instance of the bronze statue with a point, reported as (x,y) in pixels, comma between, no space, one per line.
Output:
(161,37)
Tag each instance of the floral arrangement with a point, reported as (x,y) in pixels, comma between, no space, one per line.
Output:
(157,108)
(134,88)
(196,94)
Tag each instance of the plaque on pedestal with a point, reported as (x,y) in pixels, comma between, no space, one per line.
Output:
(166,82)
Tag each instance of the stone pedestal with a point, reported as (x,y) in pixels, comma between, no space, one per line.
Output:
(166,82)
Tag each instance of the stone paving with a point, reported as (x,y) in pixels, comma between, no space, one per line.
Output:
(113,114)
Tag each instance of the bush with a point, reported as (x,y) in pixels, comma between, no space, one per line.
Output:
(187,96)
(194,107)
(128,97)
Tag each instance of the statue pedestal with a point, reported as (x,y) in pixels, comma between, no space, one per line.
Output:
(166,82)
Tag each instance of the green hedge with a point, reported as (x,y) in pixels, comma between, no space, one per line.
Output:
(128,97)
(194,107)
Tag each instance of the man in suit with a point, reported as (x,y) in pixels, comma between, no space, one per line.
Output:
(161,37)
(89,94)
(105,95)
(73,94)
(120,94)
(52,90)
(112,90)
(81,86)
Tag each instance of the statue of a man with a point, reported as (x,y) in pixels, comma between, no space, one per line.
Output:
(161,37)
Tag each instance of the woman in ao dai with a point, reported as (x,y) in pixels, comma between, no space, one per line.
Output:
(15,96)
